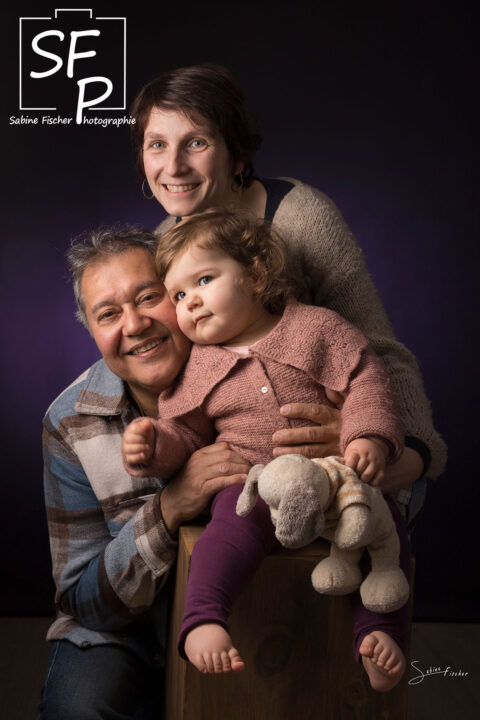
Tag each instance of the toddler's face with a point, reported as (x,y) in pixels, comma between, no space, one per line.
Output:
(212,298)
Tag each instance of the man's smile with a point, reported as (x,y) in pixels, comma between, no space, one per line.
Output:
(146,346)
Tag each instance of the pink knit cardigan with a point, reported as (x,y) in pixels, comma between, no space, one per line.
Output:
(223,395)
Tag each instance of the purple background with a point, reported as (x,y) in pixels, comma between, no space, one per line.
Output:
(370,104)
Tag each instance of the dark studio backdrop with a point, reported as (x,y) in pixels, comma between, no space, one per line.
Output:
(372,104)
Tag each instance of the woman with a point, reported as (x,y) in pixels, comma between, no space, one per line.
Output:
(194,149)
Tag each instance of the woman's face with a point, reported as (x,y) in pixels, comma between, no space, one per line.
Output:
(187,165)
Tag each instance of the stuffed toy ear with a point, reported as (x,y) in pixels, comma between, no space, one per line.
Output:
(300,517)
(248,496)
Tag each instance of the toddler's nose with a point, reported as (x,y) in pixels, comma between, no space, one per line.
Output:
(193,301)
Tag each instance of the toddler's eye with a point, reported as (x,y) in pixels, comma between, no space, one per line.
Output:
(205,279)
(179,295)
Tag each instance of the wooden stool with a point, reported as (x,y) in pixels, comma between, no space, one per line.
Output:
(297,646)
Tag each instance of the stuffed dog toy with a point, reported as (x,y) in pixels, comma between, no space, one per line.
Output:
(324,498)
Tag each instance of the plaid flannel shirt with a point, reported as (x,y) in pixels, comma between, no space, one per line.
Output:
(111,551)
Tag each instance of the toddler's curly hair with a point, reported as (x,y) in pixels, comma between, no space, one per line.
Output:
(251,242)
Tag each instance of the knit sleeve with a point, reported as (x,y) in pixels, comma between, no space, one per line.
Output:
(370,407)
(326,252)
(342,360)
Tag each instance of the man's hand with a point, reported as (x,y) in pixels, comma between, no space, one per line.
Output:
(138,441)
(367,456)
(311,441)
(208,471)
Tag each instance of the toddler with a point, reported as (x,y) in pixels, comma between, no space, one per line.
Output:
(255,348)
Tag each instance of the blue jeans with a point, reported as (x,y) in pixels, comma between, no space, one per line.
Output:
(105,682)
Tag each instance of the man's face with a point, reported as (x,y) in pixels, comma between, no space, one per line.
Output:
(133,321)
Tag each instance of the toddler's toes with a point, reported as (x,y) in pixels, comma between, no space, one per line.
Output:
(208,662)
(225,659)
(390,661)
(236,661)
(395,669)
(217,662)
(367,646)
(209,647)
(386,665)
(200,663)
(382,656)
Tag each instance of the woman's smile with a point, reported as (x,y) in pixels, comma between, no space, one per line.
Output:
(181,188)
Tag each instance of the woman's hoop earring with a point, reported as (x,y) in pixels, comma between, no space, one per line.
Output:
(147,197)
(237,183)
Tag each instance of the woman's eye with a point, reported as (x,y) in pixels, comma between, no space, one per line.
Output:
(197,144)
(205,279)
(157,145)
(179,296)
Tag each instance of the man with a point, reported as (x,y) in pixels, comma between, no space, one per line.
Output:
(113,536)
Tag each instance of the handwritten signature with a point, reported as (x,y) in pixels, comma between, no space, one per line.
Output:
(447,672)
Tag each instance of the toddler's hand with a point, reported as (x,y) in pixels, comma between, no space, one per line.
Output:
(367,456)
(138,442)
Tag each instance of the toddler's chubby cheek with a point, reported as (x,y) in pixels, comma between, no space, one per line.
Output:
(187,327)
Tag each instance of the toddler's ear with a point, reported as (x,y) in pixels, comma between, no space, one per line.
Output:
(252,281)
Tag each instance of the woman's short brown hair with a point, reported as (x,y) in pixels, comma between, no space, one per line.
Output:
(208,91)
(252,243)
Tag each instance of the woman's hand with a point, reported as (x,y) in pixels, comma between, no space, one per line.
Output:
(319,441)
(208,471)
(403,472)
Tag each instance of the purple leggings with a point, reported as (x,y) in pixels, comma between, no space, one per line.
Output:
(229,552)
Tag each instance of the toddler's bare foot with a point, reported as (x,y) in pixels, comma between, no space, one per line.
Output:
(209,647)
(383,660)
